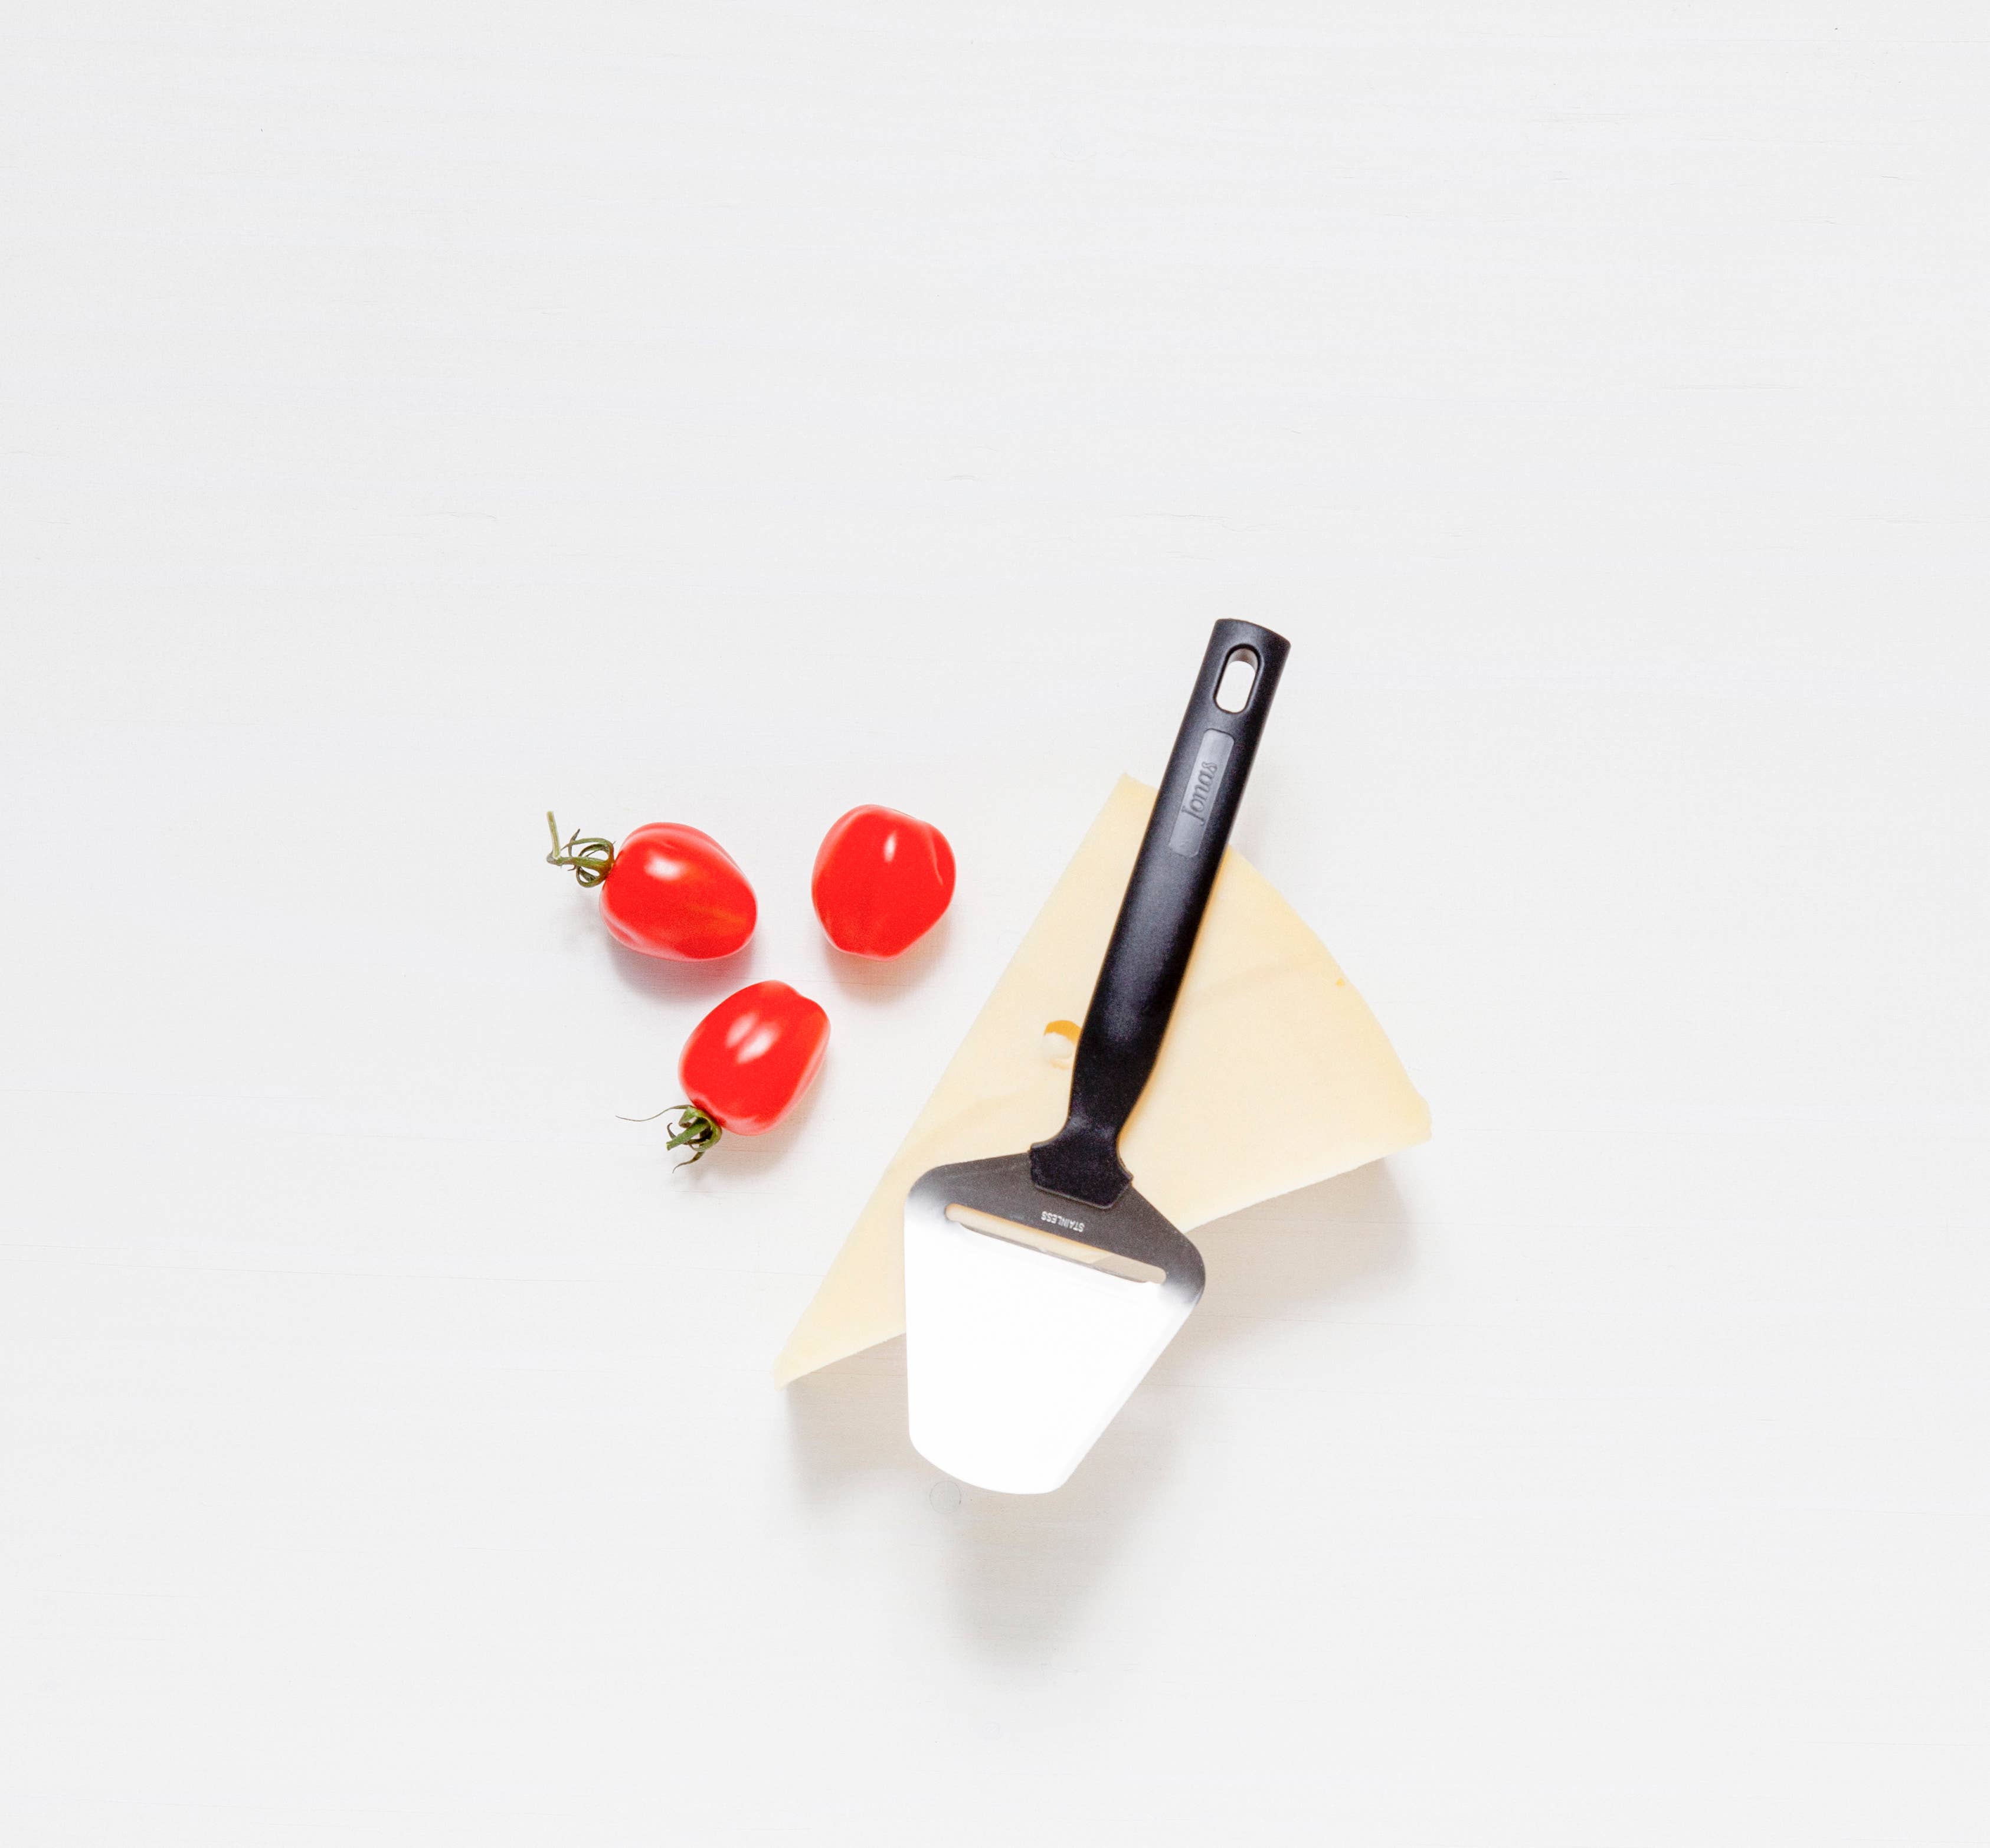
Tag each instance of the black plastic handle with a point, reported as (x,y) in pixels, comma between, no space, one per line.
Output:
(1158,920)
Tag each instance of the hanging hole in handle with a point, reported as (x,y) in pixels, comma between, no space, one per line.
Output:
(1239,676)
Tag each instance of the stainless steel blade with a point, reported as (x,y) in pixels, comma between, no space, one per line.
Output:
(1029,1318)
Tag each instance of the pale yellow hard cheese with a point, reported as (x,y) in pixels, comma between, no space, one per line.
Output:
(1274,1075)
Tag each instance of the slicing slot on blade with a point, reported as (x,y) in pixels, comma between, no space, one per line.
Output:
(1112,1263)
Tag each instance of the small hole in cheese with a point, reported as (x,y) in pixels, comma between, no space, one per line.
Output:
(1059,1042)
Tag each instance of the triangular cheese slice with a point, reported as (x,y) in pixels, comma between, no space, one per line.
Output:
(1274,1075)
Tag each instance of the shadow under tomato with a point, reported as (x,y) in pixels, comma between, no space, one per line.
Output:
(661,979)
(874,980)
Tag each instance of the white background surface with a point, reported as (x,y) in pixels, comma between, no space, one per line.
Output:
(417,415)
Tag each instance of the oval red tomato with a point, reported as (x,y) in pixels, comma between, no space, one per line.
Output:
(675,892)
(882,880)
(748,1060)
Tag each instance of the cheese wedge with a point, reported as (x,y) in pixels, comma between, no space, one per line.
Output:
(1274,1075)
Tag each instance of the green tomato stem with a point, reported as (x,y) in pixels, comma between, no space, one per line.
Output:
(693,1130)
(591,860)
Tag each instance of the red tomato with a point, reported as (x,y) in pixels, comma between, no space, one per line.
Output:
(748,1060)
(677,893)
(882,880)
